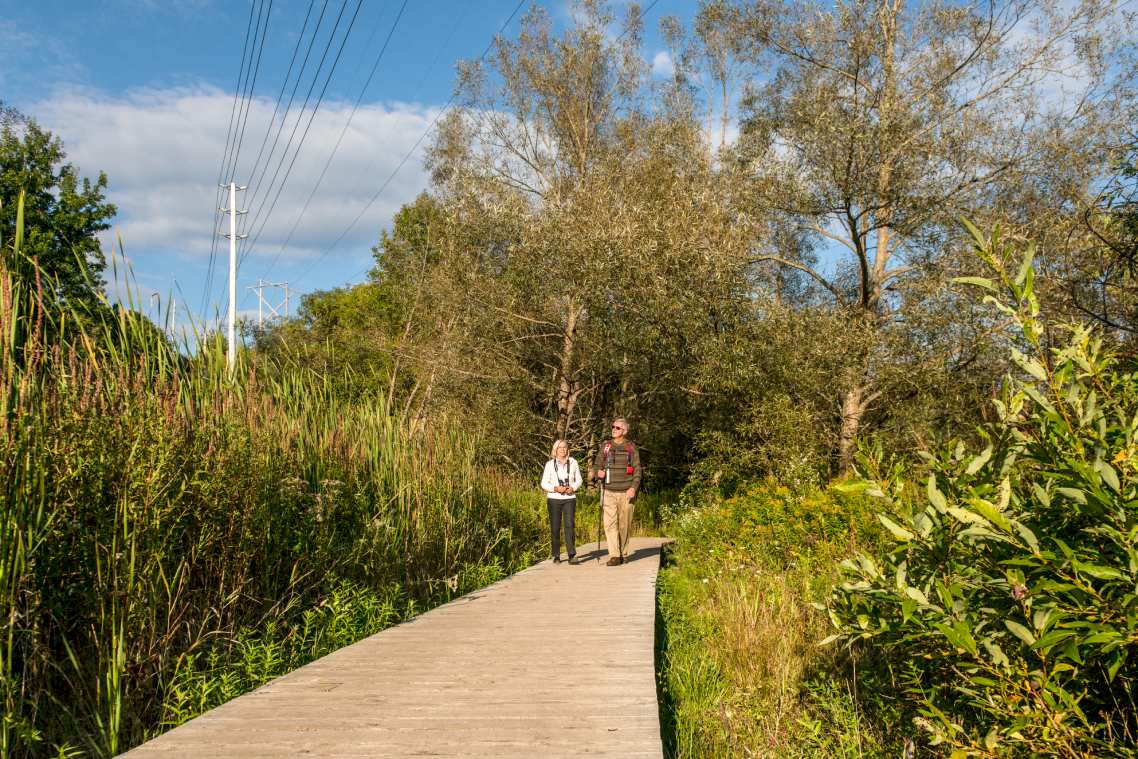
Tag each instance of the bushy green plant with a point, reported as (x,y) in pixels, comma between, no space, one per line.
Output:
(1005,616)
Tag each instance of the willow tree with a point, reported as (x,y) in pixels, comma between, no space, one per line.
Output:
(580,225)
(877,123)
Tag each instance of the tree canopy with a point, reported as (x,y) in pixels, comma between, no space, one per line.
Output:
(63,212)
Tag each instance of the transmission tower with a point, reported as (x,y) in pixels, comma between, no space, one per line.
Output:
(274,308)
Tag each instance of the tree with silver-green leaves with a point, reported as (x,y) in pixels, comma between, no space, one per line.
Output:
(876,124)
(583,241)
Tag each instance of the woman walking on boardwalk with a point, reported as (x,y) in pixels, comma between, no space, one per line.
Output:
(560,481)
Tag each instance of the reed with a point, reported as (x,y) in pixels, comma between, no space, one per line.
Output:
(164,520)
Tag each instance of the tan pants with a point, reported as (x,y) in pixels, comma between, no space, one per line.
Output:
(618,521)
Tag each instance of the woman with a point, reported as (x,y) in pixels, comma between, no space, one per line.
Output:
(560,481)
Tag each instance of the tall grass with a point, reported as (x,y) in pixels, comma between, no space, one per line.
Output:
(163,520)
(740,669)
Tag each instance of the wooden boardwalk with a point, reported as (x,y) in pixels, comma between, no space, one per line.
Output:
(555,661)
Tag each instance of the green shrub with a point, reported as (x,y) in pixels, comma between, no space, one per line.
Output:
(1005,617)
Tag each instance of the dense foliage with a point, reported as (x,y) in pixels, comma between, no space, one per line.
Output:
(1007,612)
(762,306)
(740,671)
(172,535)
(63,212)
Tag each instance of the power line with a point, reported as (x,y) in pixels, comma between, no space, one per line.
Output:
(284,86)
(339,140)
(414,147)
(262,32)
(316,107)
(407,156)
(225,157)
(307,127)
(254,180)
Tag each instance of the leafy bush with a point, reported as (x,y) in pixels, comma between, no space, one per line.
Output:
(1005,617)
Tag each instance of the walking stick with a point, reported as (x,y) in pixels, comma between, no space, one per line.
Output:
(601,513)
(601,501)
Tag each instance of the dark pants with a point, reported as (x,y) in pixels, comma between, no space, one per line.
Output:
(562,510)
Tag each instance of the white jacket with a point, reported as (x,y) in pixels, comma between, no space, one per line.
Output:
(554,470)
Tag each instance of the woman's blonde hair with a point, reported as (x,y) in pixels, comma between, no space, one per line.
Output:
(557,444)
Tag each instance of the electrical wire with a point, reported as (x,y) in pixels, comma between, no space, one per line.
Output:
(407,155)
(284,86)
(254,179)
(332,70)
(225,158)
(339,140)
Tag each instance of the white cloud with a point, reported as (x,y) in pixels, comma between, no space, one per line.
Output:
(162,148)
(662,66)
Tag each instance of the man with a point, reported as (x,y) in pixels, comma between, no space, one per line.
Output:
(617,464)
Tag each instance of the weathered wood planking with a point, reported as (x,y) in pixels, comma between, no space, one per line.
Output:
(555,661)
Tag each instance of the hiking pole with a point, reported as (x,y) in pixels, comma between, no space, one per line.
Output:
(601,513)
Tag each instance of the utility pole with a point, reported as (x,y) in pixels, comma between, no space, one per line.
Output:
(274,307)
(231,355)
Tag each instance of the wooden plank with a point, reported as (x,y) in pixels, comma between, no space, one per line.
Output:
(554,661)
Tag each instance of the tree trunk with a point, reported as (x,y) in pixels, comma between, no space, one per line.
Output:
(854,403)
(566,395)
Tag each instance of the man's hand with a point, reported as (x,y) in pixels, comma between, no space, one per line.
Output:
(600,474)
(631,493)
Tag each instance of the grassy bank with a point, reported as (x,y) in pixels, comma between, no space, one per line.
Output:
(172,535)
(740,671)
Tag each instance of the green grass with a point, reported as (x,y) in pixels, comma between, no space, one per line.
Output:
(740,671)
(172,534)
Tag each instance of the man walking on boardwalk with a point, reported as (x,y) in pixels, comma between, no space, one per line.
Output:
(617,464)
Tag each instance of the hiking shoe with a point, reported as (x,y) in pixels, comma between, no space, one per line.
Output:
(556,559)
(573,559)
(614,561)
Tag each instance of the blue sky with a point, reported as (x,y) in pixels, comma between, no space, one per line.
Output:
(143,89)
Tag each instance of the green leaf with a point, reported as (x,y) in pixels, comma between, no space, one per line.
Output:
(958,635)
(991,513)
(1074,494)
(1109,476)
(1097,571)
(852,487)
(899,532)
(1025,269)
(917,595)
(1116,664)
(978,238)
(1020,631)
(1028,536)
(967,517)
(1029,365)
(936,498)
(987,284)
(999,658)
(980,460)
